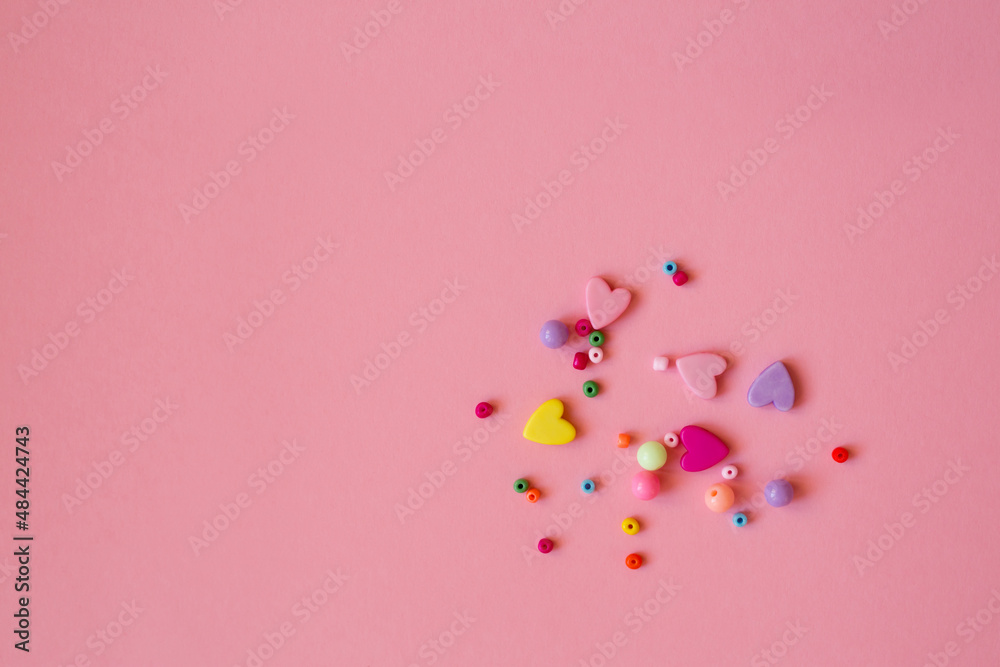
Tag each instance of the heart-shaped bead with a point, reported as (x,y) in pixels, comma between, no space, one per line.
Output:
(773,385)
(699,370)
(603,305)
(546,425)
(704,449)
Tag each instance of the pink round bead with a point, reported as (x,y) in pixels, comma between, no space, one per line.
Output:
(645,485)
(484,410)
(580,361)
(680,278)
(719,497)
(584,327)
(545,545)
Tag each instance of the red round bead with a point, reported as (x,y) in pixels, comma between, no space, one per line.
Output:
(545,545)
(584,327)
(580,361)
(680,278)
(484,410)
(633,561)
(840,455)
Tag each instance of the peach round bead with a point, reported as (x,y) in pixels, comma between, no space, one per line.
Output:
(719,497)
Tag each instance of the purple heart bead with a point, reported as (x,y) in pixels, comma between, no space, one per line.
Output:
(773,385)
(704,449)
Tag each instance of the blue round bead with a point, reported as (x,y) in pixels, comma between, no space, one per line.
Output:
(670,268)
(778,493)
(554,334)
(587,486)
(739,519)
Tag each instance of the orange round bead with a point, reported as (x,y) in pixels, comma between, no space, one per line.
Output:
(623,440)
(533,495)
(633,561)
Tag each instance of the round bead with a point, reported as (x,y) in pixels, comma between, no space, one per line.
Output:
(778,493)
(840,455)
(671,440)
(645,485)
(630,526)
(596,338)
(633,561)
(554,334)
(670,268)
(484,410)
(590,388)
(545,545)
(584,327)
(719,497)
(533,495)
(652,455)
(587,486)
(596,355)
(624,440)
(579,361)
(680,278)
(730,472)
(521,485)
(739,519)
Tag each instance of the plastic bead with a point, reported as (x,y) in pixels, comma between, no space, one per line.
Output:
(587,486)
(583,327)
(739,519)
(596,338)
(580,361)
(670,268)
(546,425)
(554,334)
(661,363)
(680,278)
(590,389)
(624,440)
(773,385)
(651,455)
(671,440)
(645,485)
(533,495)
(630,526)
(521,485)
(778,492)
(484,410)
(840,455)
(719,497)
(545,545)
(596,355)
(730,472)
(633,561)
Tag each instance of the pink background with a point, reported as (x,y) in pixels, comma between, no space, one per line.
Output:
(796,582)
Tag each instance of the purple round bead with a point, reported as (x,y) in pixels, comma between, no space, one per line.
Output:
(554,334)
(778,492)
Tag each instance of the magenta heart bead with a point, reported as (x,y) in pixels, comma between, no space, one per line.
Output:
(704,449)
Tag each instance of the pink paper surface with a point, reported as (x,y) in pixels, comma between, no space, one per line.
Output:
(219,309)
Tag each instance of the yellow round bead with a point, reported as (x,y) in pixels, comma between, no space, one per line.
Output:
(630,526)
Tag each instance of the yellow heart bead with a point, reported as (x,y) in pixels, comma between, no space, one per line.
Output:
(547,427)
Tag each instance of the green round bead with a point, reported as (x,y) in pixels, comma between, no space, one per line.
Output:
(521,485)
(590,388)
(596,339)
